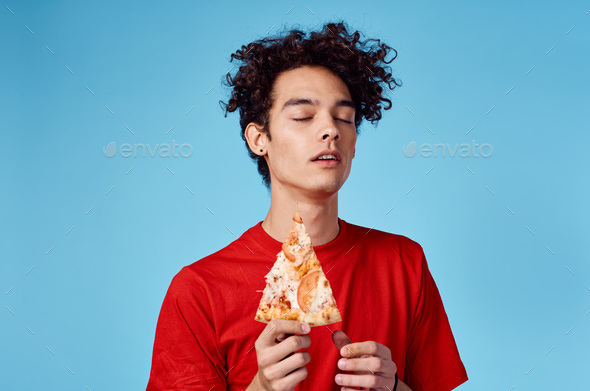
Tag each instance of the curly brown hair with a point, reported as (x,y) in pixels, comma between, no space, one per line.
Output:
(360,64)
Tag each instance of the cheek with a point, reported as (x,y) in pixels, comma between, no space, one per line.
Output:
(352,145)
(289,147)
(285,154)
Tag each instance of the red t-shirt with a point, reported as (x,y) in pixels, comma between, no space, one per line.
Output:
(385,293)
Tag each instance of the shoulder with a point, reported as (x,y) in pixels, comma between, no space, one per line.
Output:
(400,252)
(226,258)
(402,245)
(214,268)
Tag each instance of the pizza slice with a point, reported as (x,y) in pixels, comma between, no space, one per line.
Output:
(296,286)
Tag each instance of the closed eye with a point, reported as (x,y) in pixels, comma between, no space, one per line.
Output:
(308,118)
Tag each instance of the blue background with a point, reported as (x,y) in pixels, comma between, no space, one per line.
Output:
(89,244)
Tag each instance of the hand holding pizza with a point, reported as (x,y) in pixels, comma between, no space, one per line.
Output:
(279,366)
(370,361)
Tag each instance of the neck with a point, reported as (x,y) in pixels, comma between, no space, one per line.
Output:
(320,216)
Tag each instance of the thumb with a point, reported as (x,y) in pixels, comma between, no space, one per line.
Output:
(340,339)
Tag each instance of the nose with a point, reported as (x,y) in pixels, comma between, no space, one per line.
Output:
(329,129)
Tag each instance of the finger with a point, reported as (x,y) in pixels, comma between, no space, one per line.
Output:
(291,380)
(340,339)
(370,347)
(372,364)
(277,327)
(366,381)
(288,365)
(280,351)
(282,336)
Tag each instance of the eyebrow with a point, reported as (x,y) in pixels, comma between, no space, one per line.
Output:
(314,102)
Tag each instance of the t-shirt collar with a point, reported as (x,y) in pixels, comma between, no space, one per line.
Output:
(324,252)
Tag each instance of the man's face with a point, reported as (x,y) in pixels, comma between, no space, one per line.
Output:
(312,116)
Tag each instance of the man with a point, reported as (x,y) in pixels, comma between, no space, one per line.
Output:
(301,100)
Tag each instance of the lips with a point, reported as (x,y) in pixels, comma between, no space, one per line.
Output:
(325,152)
(327,163)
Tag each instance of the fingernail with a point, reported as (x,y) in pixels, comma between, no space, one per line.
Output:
(338,379)
(342,364)
(305,328)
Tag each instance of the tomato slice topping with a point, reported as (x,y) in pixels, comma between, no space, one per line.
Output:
(307,290)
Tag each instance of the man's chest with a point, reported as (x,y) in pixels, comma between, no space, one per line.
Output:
(371,304)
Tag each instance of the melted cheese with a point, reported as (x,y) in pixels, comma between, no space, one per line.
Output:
(286,284)
(323,296)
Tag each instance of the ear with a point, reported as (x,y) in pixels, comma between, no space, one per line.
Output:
(256,138)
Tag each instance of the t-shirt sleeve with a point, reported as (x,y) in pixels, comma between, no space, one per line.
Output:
(432,361)
(186,355)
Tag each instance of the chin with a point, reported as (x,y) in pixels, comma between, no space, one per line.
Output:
(326,187)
